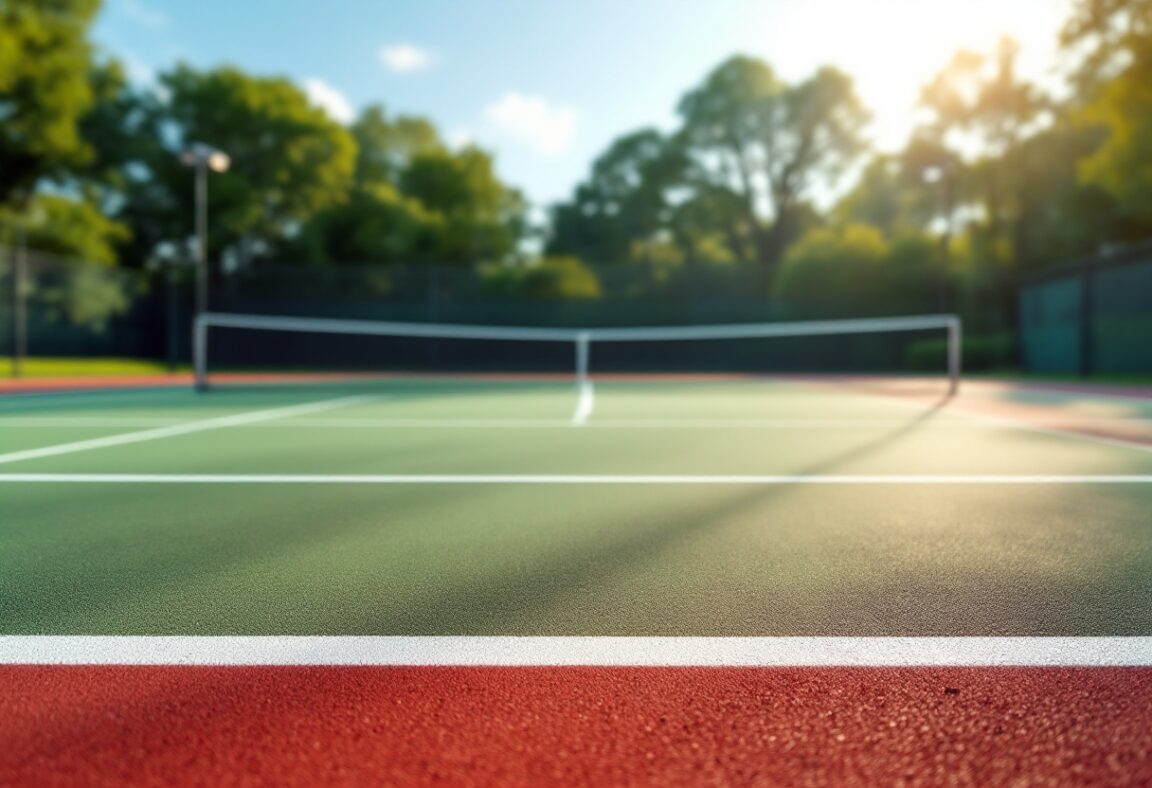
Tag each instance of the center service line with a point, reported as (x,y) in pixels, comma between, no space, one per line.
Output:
(585,404)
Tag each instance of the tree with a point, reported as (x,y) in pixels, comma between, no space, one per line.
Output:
(44,90)
(120,127)
(707,227)
(483,218)
(771,143)
(851,269)
(1122,164)
(376,224)
(891,194)
(80,242)
(979,103)
(549,279)
(414,201)
(385,146)
(290,161)
(74,229)
(1062,213)
(1100,38)
(833,271)
(625,201)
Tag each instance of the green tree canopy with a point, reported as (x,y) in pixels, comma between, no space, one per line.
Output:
(289,159)
(1122,110)
(851,269)
(386,146)
(81,244)
(414,201)
(626,199)
(1100,38)
(548,279)
(376,224)
(44,90)
(771,143)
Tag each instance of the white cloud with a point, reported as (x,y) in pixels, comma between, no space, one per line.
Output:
(144,14)
(329,99)
(405,58)
(546,128)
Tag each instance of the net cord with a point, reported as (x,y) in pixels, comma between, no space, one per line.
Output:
(581,338)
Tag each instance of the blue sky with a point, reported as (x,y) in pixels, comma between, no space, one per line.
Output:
(547,84)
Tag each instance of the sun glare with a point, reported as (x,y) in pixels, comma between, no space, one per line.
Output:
(893,47)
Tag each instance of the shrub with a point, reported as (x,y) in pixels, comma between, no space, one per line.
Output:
(979,353)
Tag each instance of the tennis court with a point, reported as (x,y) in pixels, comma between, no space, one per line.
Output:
(411,529)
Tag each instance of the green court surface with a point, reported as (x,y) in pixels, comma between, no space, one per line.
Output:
(517,508)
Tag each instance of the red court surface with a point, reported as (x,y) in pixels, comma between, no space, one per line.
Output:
(601,725)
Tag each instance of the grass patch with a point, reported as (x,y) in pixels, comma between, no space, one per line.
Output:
(980,353)
(40,367)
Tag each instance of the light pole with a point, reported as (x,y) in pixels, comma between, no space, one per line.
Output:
(18,254)
(203,158)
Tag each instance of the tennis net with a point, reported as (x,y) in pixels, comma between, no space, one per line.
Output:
(279,347)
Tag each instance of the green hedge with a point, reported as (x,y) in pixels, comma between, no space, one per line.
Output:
(980,353)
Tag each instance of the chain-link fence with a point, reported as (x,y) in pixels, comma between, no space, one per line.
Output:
(57,307)
(65,308)
(75,308)
(1090,316)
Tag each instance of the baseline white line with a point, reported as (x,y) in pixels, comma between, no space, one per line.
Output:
(584,404)
(184,428)
(564,479)
(619,424)
(494,423)
(961,421)
(563,651)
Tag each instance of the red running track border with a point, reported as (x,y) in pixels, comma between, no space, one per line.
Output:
(425,725)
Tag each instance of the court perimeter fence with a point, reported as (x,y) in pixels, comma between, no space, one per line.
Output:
(1090,316)
(69,308)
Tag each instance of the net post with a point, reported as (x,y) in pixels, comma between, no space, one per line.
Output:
(200,351)
(955,354)
(583,341)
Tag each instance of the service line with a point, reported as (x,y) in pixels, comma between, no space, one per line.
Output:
(564,479)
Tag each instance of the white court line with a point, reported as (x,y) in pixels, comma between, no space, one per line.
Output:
(617,424)
(184,428)
(961,421)
(497,423)
(584,404)
(563,651)
(564,479)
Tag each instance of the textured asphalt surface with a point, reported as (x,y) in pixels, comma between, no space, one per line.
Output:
(924,560)
(620,726)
